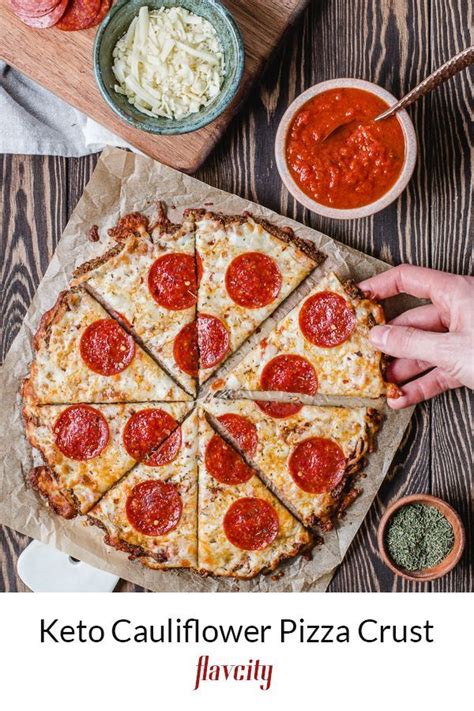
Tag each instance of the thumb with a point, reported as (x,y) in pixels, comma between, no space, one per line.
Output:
(408,342)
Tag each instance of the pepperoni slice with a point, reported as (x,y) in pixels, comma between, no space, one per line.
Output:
(278,410)
(290,374)
(185,349)
(224,463)
(42,20)
(172,281)
(80,15)
(242,430)
(106,348)
(33,7)
(146,430)
(213,340)
(253,280)
(317,465)
(327,319)
(154,507)
(81,432)
(251,523)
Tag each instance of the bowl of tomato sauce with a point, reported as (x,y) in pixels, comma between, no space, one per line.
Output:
(335,159)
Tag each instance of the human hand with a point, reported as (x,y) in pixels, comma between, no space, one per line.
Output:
(433,345)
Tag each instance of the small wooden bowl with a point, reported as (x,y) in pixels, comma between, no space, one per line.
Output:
(452,559)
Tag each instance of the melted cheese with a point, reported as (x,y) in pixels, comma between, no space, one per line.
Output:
(89,479)
(169,63)
(59,375)
(352,368)
(277,439)
(216,554)
(122,285)
(218,246)
(178,547)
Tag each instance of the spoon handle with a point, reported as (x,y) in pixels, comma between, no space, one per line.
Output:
(439,76)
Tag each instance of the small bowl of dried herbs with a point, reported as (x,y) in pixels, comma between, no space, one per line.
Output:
(421,537)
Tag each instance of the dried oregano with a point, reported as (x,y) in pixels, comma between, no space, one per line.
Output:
(418,536)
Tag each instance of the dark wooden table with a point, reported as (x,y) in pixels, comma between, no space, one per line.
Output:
(394,43)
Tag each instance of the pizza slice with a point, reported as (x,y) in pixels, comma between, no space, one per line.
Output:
(243,528)
(84,355)
(150,286)
(310,458)
(321,346)
(88,448)
(246,268)
(151,514)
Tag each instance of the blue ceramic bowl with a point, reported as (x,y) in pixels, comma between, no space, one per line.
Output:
(116,24)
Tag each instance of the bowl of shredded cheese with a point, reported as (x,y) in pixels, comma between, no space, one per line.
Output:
(168,67)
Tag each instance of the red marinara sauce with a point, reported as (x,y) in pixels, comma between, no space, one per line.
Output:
(356,165)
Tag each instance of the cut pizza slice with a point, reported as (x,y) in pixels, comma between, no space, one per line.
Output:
(246,268)
(151,514)
(88,448)
(321,346)
(243,528)
(150,286)
(310,458)
(84,355)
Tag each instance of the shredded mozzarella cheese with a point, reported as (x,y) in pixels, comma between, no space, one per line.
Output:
(169,63)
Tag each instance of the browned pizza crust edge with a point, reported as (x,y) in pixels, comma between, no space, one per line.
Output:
(42,479)
(376,318)
(285,234)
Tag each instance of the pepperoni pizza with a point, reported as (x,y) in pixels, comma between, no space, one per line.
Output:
(310,458)
(150,285)
(243,528)
(151,514)
(90,447)
(108,401)
(246,267)
(321,346)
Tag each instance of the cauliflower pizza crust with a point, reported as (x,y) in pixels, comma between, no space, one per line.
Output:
(229,489)
(151,514)
(90,447)
(321,346)
(308,458)
(246,268)
(150,286)
(82,354)
(243,528)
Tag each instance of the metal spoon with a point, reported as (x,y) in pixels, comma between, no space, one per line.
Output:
(439,76)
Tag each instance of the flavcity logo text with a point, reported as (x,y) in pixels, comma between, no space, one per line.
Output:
(254,670)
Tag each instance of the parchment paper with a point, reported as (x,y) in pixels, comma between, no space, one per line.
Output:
(123,182)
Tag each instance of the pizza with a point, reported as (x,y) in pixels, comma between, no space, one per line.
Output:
(151,513)
(243,528)
(309,458)
(82,354)
(131,438)
(148,281)
(90,447)
(321,346)
(246,268)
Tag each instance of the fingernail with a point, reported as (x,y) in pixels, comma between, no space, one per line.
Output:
(379,335)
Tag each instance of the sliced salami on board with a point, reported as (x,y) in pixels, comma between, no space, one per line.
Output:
(79,15)
(49,19)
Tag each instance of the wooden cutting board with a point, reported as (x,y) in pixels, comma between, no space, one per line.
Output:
(62,62)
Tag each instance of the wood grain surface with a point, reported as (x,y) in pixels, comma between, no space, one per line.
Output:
(46,57)
(395,43)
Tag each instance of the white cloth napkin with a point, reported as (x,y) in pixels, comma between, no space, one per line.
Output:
(36,122)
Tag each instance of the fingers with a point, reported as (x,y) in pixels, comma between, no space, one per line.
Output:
(408,279)
(403,369)
(424,388)
(425,317)
(409,342)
